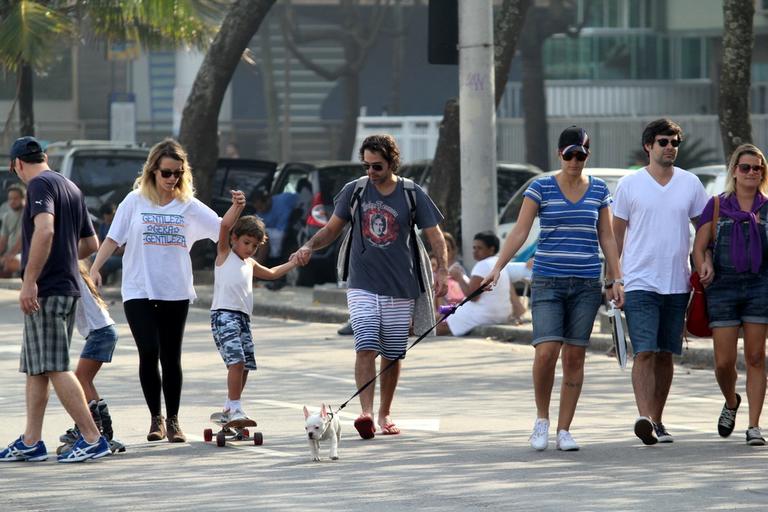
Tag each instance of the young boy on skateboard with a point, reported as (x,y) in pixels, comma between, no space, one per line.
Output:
(233,299)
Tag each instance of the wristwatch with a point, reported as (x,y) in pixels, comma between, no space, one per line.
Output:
(610,282)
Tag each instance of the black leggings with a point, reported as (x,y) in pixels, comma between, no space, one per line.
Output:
(158,329)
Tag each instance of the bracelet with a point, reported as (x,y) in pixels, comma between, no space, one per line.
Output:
(610,282)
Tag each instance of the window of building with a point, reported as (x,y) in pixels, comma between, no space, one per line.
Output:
(615,14)
(52,83)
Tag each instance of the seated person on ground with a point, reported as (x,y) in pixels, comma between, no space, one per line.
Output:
(491,306)
(10,231)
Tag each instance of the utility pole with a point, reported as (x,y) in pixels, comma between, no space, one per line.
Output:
(477,121)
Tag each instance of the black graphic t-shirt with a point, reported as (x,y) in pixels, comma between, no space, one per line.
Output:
(386,265)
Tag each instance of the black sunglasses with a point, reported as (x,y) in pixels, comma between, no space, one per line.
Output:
(663,142)
(375,167)
(745,168)
(578,154)
(167,173)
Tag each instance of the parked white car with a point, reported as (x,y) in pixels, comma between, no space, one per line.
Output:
(511,211)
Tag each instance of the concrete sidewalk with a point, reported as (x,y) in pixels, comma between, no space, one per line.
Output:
(327,304)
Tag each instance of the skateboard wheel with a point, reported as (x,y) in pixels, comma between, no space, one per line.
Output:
(221,439)
(245,433)
(208,435)
(258,439)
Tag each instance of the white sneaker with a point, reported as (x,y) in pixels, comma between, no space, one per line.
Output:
(540,436)
(237,414)
(565,441)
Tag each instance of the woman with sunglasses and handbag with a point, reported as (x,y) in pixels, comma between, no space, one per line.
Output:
(158,222)
(566,289)
(736,281)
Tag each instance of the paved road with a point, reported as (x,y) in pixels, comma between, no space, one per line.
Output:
(465,406)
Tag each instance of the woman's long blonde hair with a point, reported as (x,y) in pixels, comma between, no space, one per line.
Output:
(91,285)
(145,183)
(745,149)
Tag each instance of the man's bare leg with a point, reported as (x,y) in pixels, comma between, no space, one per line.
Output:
(37,391)
(389,381)
(365,370)
(664,369)
(72,398)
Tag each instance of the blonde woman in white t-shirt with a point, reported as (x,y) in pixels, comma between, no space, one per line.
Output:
(233,303)
(158,222)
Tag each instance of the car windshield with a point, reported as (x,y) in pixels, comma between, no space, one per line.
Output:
(512,210)
(105,178)
(509,181)
(333,178)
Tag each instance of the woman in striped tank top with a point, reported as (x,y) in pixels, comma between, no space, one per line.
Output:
(566,290)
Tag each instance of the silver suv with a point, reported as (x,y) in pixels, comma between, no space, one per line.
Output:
(104,170)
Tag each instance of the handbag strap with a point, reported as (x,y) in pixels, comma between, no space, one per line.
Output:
(715,216)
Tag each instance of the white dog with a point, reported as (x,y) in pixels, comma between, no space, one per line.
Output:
(321,426)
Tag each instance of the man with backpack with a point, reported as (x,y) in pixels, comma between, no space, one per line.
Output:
(387,270)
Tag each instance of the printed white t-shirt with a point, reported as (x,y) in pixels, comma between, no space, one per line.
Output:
(156,263)
(657,242)
(493,306)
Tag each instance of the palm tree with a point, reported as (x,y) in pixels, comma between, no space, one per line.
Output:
(31,29)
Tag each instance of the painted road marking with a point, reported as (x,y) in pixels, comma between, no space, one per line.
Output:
(345,381)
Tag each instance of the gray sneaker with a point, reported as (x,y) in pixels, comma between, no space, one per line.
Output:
(755,437)
(661,433)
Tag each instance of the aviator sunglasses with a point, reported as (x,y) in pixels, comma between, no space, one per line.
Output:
(745,168)
(167,173)
(663,142)
(375,167)
(578,154)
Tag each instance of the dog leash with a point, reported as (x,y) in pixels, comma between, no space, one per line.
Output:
(448,313)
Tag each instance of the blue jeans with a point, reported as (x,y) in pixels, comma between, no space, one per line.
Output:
(655,321)
(100,344)
(564,309)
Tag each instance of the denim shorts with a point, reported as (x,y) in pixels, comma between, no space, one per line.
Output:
(564,309)
(100,344)
(655,321)
(733,299)
(232,335)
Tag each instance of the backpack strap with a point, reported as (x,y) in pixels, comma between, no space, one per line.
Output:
(409,187)
(354,209)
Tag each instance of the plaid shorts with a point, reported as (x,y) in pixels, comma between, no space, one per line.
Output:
(47,336)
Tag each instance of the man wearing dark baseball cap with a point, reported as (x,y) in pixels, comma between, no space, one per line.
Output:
(56,231)
(28,150)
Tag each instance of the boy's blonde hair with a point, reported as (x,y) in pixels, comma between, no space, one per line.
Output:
(145,183)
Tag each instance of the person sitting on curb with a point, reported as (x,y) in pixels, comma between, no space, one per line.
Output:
(491,307)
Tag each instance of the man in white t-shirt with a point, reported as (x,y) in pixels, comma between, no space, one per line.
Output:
(652,209)
(490,307)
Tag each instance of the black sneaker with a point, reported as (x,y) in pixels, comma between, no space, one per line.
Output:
(754,437)
(661,433)
(106,420)
(345,330)
(727,421)
(645,431)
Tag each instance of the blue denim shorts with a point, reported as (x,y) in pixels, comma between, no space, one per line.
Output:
(100,344)
(232,335)
(655,321)
(564,309)
(733,299)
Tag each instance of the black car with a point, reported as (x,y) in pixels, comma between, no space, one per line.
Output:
(315,184)
(509,177)
(232,174)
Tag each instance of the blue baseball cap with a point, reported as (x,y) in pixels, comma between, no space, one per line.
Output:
(25,146)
